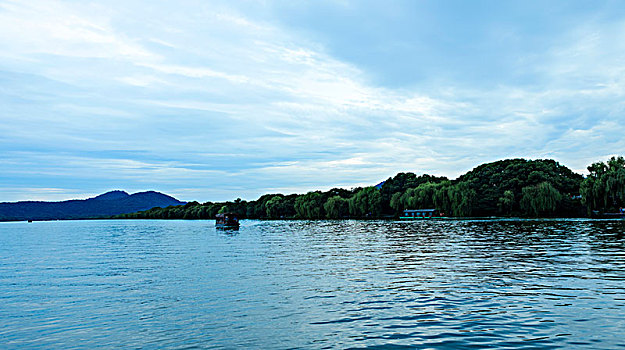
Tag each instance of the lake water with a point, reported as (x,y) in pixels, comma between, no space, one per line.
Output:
(313,284)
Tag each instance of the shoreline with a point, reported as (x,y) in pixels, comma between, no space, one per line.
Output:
(477,218)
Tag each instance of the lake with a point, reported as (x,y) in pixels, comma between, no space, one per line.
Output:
(313,284)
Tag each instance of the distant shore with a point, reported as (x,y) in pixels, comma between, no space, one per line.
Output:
(503,189)
(355,219)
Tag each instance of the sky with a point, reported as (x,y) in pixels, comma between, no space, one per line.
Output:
(215,100)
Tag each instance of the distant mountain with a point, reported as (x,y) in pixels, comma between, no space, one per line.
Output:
(104,205)
(112,195)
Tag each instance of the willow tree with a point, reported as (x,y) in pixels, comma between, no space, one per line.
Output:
(426,195)
(273,207)
(462,199)
(604,188)
(310,206)
(336,207)
(367,202)
(540,200)
(506,202)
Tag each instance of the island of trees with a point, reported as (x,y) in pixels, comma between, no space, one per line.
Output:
(511,187)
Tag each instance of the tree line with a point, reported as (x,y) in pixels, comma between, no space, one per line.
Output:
(511,187)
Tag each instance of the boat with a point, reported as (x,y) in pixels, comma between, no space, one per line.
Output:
(421,214)
(227,221)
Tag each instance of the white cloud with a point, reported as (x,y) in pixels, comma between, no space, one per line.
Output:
(188,84)
(56,28)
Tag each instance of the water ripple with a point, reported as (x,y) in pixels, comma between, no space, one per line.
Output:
(313,284)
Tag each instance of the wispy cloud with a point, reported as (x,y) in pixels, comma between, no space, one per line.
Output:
(215,101)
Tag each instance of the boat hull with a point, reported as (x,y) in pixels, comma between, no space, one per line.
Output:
(227,226)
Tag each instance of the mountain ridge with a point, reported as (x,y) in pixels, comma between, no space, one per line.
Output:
(102,206)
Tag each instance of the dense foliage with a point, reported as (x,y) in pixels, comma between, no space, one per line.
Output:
(511,187)
(501,187)
(604,188)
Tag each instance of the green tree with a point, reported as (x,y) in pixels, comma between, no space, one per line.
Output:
(491,180)
(442,201)
(506,202)
(399,184)
(421,197)
(604,188)
(540,200)
(336,207)
(462,199)
(310,206)
(397,201)
(274,207)
(367,202)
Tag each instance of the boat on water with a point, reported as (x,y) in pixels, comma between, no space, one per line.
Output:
(227,220)
(422,214)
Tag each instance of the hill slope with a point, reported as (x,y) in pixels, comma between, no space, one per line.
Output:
(104,205)
(490,181)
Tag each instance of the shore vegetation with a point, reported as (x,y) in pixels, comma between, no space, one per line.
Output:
(505,188)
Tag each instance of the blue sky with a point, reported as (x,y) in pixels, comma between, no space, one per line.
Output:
(214,100)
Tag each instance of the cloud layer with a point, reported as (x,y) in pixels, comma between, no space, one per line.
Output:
(209,101)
